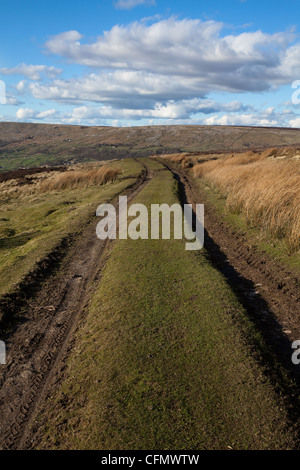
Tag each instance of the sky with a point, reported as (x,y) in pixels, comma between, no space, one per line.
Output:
(150,62)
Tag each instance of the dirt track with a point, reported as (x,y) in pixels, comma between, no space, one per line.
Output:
(268,291)
(39,343)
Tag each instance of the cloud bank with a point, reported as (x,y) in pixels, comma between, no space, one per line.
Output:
(164,69)
(33,72)
(188,49)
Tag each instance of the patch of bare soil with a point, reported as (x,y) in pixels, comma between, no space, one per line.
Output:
(21,175)
(39,339)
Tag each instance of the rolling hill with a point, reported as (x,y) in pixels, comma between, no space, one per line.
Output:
(29,145)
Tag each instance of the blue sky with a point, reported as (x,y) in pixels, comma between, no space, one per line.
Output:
(141,62)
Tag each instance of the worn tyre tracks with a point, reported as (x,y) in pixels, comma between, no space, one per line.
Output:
(269,292)
(39,344)
(40,340)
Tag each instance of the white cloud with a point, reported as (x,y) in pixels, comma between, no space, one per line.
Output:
(253,61)
(181,110)
(170,110)
(12,100)
(121,87)
(264,119)
(295,122)
(25,114)
(3,99)
(33,72)
(21,86)
(45,114)
(185,112)
(128,4)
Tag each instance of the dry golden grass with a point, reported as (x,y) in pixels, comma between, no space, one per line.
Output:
(174,157)
(83,177)
(263,188)
(80,179)
(183,159)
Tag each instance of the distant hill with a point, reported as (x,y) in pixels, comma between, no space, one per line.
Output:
(28,145)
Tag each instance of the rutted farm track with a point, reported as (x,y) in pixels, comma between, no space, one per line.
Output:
(39,342)
(268,291)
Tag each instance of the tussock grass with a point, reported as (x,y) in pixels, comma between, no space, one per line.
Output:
(178,158)
(80,179)
(175,157)
(263,188)
(270,152)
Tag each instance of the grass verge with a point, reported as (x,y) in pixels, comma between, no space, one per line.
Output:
(264,189)
(33,224)
(273,247)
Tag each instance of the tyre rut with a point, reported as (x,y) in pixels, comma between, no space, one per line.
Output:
(41,339)
(262,287)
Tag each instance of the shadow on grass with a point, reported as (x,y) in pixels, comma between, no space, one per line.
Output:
(18,240)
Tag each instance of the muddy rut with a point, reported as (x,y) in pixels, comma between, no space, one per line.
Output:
(269,292)
(39,340)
